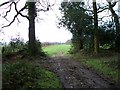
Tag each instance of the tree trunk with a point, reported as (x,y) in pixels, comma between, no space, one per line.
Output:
(79,44)
(96,40)
(117,25)
(32,40)
(80,40)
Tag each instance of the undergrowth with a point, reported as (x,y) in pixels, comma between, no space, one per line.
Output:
(27,75)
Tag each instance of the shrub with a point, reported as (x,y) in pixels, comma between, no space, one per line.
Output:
(17,46)
(14,46)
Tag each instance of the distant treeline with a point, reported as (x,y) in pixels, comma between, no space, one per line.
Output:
(53,43)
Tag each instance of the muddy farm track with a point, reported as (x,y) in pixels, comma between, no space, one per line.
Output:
(74,75)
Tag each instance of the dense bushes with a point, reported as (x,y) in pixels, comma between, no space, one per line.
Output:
(14,46)
(17,46)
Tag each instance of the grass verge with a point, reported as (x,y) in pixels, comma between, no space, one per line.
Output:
(107,66)
(103,68)
(28,75)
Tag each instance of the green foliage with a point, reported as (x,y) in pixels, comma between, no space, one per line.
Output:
(14,46)
(107,34)
(106,46)
(17,46)
(77,21)
(39,46)
(72,49)
(27,75)
(38,52)
(57,49)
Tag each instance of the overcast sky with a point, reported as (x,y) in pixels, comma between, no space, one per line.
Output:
(46,29)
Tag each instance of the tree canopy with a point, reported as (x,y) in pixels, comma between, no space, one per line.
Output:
(76,20)
(83,21)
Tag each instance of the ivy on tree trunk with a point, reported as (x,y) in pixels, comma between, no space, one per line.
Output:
(32,40)
(96,32)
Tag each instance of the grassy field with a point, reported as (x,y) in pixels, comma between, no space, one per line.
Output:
(61,49)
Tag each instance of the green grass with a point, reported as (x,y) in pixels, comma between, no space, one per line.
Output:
(26,74)
(57,49)
(108,66)
(103,68)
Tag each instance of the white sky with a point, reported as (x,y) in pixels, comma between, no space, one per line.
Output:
(46,29)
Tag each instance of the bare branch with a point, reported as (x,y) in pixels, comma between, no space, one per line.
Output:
(41,4)
(39,19)
(5,3)
(18,13)
(6,19)
(112,4)
(48,6)
(8,10)
(42,10)
(10,6)
(102,10)
(18,20)
(11,21)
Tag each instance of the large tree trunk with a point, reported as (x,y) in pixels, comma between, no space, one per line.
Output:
(32,40)
(79,44)
(96,40)
(117,25)
(80,39)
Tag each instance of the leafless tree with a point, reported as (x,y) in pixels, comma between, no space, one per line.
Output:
(32,7)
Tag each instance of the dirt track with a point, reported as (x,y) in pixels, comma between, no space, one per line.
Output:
(74,75)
